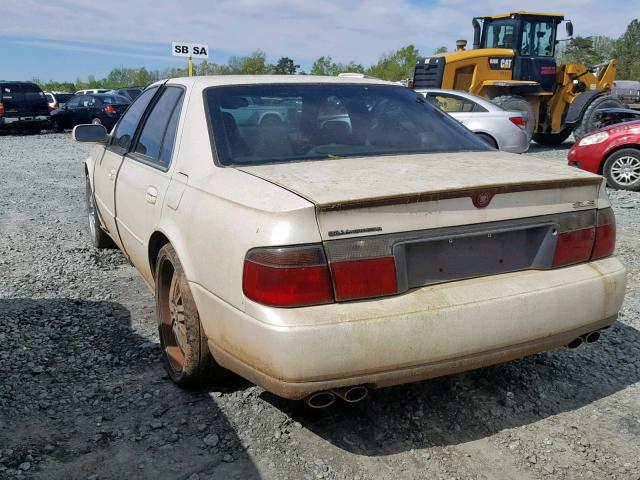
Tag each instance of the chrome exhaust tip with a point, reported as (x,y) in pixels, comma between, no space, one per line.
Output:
(321,399)
(575,343)
(592,337)
(351,394)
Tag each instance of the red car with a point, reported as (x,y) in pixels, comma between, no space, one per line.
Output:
(613,152)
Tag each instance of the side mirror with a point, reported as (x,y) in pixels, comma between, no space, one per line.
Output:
(90,133)
(569,27)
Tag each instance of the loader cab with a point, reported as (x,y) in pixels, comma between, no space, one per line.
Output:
(533,39)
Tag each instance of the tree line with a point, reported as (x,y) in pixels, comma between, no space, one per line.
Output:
(394,66)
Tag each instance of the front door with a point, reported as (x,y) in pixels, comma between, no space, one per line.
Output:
(144,178)
(107,168)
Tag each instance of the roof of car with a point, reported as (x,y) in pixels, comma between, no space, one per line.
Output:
(215,80)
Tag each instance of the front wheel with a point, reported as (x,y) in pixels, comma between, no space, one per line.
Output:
(96,121)
(622,169)
(98,236)
(184,344)
(57,127)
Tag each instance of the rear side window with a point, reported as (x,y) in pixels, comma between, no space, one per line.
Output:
(158,133)
(49,98)
(129,122)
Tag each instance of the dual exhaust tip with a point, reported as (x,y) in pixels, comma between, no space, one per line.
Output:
(590,337)
(325,398)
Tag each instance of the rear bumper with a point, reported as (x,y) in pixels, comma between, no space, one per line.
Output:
(428,332)
(21,121)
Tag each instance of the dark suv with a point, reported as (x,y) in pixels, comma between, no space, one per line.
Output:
(23,106)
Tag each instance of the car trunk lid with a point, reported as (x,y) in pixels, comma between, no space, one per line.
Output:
(389,194)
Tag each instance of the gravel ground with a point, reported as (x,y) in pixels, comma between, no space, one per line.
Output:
(83,394)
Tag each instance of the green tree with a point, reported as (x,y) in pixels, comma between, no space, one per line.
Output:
(440,50)
(396,65)
(285,66)
(627,50)
(326,66)
(255,64)
(581,50)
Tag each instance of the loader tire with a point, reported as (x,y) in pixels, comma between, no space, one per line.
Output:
(589,122)
(519,104)
(552,139)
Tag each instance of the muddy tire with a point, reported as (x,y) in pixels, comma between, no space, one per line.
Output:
(182,339)
(589,122)
(519,104)
(551,139)
(622,169)
(99,238)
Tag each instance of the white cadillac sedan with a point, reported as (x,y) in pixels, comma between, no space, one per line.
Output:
(321,236)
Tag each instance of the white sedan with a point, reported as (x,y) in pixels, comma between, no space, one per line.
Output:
(322,236)
(500,128)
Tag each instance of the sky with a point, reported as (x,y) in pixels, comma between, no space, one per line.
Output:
(71,39)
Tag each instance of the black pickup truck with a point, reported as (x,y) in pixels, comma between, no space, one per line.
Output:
(23,107)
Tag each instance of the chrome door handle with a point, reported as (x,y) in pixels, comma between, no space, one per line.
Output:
(151,195)
(112,174)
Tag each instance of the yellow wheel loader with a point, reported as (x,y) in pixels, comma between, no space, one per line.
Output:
(513,64)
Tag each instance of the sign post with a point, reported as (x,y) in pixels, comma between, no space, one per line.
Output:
(190,51)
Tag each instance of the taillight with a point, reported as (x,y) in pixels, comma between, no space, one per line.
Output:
(1,108)
(519,121)
(366,278)
(605,242)
(109,109)
(588,243)
(287,277)
(574,247)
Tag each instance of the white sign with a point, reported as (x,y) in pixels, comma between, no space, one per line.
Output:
(195,50)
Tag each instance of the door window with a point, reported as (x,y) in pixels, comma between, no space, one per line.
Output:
(453,103)
(74,103)
(127,125)
(158,133)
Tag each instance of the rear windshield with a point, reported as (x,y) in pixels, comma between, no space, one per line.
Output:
(30,88)
(114,100)
(134,92)
(257,124)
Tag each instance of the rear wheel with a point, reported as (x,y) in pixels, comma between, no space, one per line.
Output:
(56,126)
(622,169)
(99,238)
(590,121)
(184,344)
(96,121)
(519,104)
(552,139)
(488,139)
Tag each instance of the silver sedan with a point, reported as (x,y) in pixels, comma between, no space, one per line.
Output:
(501,129)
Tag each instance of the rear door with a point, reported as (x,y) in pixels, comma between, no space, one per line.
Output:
(87,111)
(144,177)
(106,169)
(459,108)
